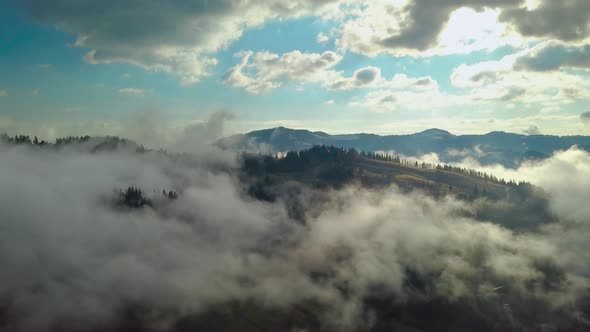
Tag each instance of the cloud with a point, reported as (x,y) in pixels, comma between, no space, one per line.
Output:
(364,77)
(182,38)
(532,130)
(269,70)
(585,117)
(76,258)
(525,76)
(551,56)
(563,176)
(153,128)
(403,92)
(3,93)
(132,92)
(322,38)
(179,38)
(425,22)
(425,28)
(35,92)
(265,71)
(110,257)
(546,20)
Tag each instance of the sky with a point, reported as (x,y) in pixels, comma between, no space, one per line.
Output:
(340,66)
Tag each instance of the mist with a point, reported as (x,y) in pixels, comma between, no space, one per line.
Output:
(73,260)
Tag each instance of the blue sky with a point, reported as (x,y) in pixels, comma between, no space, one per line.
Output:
(343,66)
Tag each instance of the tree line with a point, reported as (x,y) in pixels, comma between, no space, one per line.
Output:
(105,143)
(438,167)
(134,197)
(298,161)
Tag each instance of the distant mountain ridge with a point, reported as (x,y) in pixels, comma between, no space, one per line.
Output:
(496,147)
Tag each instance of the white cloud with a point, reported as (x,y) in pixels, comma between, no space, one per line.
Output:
(514,78)
(132,92)
(178,37)
(263,71)
(424,29)
(403,92)
(182,38)
(322,38)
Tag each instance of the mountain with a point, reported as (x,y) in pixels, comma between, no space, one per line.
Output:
(496,147)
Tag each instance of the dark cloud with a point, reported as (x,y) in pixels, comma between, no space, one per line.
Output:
(425,81)
(554,56)
(181,37)
(177,37)
(532,130)
(367,75)
(513,93)
(585,117)
(566,20)
(485,77)
(427,18)
(417,27)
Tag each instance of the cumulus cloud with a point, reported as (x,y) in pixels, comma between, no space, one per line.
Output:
(179,38)
(422,28)
(264,71)
(363,77)
(269,70)
(552,55)
(417,35)
(132,92)
(182,38)
(525,76)
(322,38)
(403,92)
(546,19)
(425,28)
(532,130)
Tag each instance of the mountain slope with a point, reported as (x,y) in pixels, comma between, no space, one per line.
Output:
(495,147)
